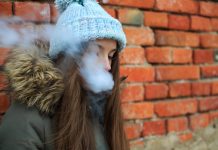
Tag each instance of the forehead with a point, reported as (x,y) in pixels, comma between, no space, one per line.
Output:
(107,43)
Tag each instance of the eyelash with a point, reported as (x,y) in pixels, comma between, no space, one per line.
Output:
(112,57)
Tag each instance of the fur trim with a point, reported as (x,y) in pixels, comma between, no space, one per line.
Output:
(34,79)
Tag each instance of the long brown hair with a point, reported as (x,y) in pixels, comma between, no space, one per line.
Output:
(74,126)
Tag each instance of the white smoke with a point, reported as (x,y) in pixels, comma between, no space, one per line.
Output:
(8,37)
(98,79)
(14,33)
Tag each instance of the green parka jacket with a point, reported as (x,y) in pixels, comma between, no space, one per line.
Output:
(37,86)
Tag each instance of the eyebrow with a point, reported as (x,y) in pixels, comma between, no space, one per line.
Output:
(100,46)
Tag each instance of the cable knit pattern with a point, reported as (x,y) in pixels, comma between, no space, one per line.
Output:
(85,22)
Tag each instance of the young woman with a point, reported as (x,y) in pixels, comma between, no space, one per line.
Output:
(68,99)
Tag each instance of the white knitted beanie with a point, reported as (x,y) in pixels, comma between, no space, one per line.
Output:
(84,20)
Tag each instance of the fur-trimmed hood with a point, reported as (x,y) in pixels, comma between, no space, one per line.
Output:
(33,79)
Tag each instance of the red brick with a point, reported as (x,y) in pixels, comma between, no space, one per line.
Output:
(182,56)
(110,11)
(137,110)
(210,103)
(155,91)
(185,6)
(32,11)
(139,36)
(201,88)
(3,55)
(209,40)
(214,87)
(133,131)
(180,89)
(209,9)
(158,55)
(4,103)
(175,108)
(177,72)
(213,116)
(199,121)
(54,13)
(130,16)
(154,128)
(203,56)
(209,71)
(214,23)
(185,136)
(179,22)
(135,3)
(177,124)
(132,55)
(200,23)
(132,93)
(5,9)
(176,38)
(138,74)
(156,19)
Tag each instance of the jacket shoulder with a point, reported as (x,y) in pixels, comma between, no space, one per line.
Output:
(22,127)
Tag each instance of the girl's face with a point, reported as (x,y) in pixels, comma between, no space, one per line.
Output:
(96,65)
(104,49)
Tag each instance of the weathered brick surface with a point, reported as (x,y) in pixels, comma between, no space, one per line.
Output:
(169,61)
(177,38)
(5,9)
(39,12)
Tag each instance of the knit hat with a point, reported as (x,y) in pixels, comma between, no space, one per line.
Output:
(84,20)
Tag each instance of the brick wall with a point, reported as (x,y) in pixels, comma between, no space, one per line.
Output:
(170,61)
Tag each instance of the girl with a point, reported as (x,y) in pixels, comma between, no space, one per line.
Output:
(68,98)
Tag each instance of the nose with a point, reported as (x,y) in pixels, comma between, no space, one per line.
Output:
(107,64)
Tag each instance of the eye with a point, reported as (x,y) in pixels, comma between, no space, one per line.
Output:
(112,57)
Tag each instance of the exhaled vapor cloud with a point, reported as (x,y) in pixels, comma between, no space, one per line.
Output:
(13,33)
(92,69)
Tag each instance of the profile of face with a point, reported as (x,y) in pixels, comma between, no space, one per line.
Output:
(104,50)
(96,64)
